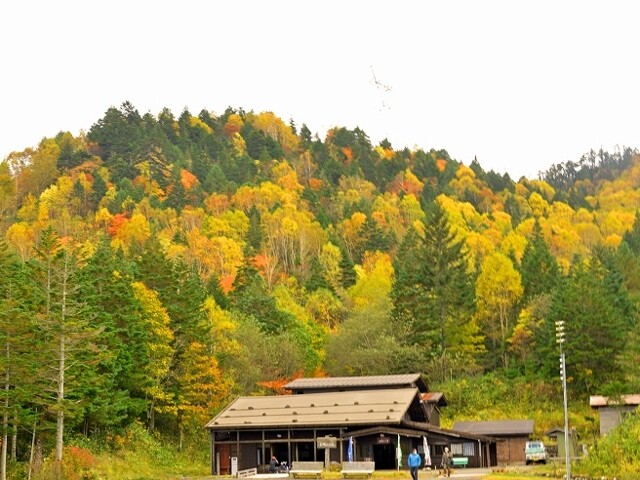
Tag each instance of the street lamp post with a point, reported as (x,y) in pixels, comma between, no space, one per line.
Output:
(563,375)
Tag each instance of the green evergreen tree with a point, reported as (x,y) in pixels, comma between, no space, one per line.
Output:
(99,189)
(433,293)
(316,278)
(116,393)
(595,325)
(538,268)
(255,234)
(632,237)
(375,239)
(347,267)
(19,360)
(66,338)
(250,297)
(215,290)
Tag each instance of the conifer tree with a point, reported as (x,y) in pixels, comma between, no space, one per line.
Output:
(66,335)
(17,359)
(632,237)
(433,292)
(106,287)
(595,325)
(250,297)
(538,268)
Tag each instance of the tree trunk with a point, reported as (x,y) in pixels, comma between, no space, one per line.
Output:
(5,416)
(14,440)
(33,450)
(62,357)
(59,401)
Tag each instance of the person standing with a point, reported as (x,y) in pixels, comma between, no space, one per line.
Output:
(447,461)
(414,461)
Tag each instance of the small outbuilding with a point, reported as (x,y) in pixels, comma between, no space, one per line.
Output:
(513,434)
(557,434)
(612,410)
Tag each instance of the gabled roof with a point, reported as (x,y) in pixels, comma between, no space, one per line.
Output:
(597,401)
(371,382)
(435,397)
(360,407)
(496,427)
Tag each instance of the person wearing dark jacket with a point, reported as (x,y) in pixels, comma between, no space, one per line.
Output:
(447,461)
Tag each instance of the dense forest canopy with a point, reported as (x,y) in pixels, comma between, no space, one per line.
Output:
(156,266)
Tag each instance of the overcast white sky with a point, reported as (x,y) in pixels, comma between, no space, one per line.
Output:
(522,85)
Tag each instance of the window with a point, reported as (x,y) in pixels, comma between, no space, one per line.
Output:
(456,448)
(468,449)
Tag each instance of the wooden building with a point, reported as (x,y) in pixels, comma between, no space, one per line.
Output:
(612,410)
(557,434)
(380,416)
(513,435)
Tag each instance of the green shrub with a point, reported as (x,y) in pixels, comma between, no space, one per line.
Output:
(617,454)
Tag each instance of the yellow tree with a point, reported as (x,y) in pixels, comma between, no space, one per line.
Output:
(530,319)
(159,351)
(498,290)
(41,170)
(292,237)
(350,230)
(201,386)
(220,256)
(330,258)
(275,128)
(7,190)
(133,232)
(22,237)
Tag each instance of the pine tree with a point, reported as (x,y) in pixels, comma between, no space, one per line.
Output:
(250,297)
(632,237)
(538,268)
(105,285)
(596,329)
(66,335)
(433,292)
(18,357)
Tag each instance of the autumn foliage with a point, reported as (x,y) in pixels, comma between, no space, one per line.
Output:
(219,255)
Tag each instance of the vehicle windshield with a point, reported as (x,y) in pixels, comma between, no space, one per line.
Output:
(534,447)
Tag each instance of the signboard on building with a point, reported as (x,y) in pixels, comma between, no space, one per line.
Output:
(327,442)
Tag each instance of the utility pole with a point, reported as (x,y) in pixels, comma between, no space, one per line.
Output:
(560,338)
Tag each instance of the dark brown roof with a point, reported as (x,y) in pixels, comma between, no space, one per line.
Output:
(361,407)
(375,381)
(496,427)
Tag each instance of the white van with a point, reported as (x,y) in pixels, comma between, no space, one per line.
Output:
(535,452)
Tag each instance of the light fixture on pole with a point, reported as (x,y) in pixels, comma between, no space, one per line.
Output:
(560,338)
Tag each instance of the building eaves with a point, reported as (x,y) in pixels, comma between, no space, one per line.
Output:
(374,381)
(449,433)
(597,401)
(496,427)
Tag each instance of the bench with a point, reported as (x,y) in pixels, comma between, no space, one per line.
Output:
(306,469)
(460,461)
(358,469)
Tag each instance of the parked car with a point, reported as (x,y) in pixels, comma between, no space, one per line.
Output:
(535,452)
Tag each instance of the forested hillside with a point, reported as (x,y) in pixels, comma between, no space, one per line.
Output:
(154,267)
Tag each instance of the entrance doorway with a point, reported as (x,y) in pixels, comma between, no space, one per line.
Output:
(385,457)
